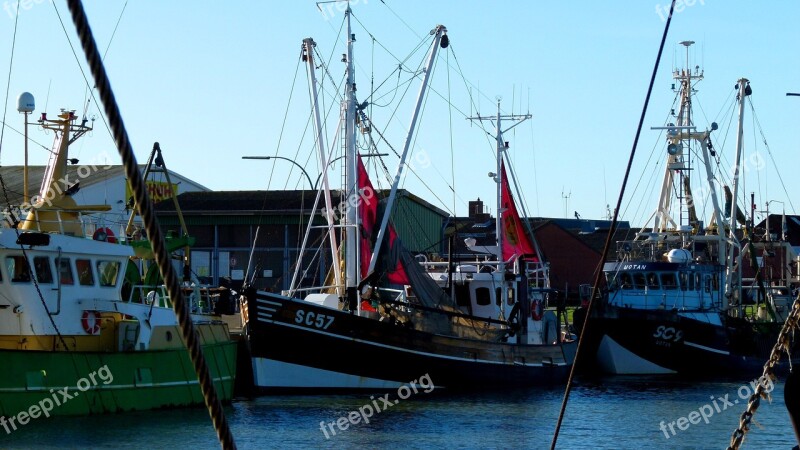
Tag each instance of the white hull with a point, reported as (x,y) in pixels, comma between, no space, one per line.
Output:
(616,359)
(272,374)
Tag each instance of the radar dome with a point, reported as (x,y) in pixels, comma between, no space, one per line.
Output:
(679,255)
(25,103)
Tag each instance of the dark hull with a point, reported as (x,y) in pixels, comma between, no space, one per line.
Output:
(279,329)
(678,343)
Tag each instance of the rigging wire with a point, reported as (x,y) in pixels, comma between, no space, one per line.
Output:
(283,128)
(105,53)
(533,158)
(145,206)
(771,156)
(8,80)
(80,67)
(8,200)
(607,245)
(452,150)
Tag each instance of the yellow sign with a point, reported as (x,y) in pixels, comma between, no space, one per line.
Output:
(157,190)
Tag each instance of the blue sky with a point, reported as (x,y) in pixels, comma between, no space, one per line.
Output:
(211,82)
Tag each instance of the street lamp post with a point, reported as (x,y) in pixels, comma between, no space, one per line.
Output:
(313,185)
(310,184)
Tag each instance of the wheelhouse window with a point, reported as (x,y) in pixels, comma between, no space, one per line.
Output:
(65,271)
(483,296)
(41,265)
(84,268)
(107,271)
(685,278)
(18,269)
(652,281)
(669,281)
(638,280)
(625,280)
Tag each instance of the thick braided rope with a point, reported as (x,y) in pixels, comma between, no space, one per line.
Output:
(145,207)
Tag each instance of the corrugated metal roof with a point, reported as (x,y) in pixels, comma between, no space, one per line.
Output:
(87,174)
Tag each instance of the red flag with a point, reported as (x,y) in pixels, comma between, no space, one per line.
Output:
(396,274)
(515,241)
(369,215)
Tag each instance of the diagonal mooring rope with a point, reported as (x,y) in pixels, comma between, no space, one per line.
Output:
(145,206)
(613,228)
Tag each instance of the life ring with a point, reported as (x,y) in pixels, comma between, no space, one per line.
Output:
(91,322)
(104,234)
(536,310)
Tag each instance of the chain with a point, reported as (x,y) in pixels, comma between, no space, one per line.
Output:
(781,346)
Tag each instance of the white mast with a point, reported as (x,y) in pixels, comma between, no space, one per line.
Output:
(744,90)
(498,223)
(501,147)
(676,135)
(350,195)
(437,33)
(308,54)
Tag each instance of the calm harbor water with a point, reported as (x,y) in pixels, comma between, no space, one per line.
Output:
(607,413)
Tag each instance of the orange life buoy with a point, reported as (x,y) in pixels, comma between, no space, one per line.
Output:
(536,310)
(91,322)
(104,234)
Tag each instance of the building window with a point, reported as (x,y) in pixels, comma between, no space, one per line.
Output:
(84,268)
(41,264)
(107,271)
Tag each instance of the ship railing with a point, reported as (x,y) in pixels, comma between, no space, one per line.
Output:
(538,274)
(404,299)
(655,249)
(313,290)
(199,299)
(42,225)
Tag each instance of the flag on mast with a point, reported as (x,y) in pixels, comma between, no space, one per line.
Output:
(515,240)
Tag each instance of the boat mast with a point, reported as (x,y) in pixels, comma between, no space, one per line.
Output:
(500,147)
(439,36)
(308,55)
(498,179)
(744,90)
(676,135)
(352,255)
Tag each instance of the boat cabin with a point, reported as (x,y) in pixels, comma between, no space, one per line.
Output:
(664,285)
